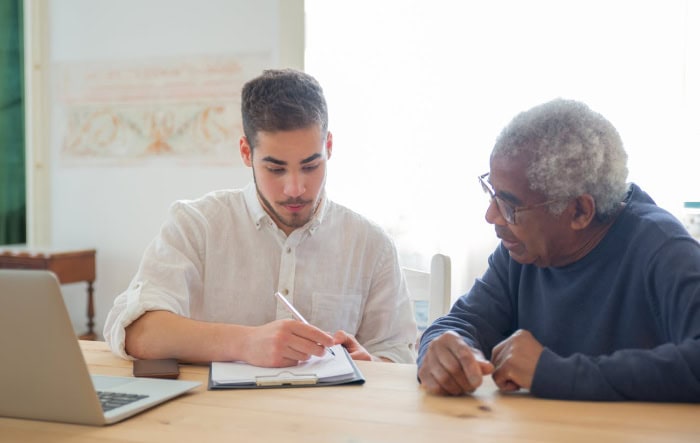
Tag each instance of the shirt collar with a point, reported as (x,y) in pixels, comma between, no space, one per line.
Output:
(321,212)
(258,213)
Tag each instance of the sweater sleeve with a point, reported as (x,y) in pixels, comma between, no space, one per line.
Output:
(667,372)
(485,315)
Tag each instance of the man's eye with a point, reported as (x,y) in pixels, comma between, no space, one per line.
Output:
(276,171)
(309,168)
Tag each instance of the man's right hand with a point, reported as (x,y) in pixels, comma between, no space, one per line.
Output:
(451,367)
(283,343)
(163,334)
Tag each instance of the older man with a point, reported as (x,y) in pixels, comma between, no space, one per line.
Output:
(594,291)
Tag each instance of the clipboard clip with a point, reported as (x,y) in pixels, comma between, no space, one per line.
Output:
(286,378)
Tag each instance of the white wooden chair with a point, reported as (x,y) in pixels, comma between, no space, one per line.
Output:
(429,291)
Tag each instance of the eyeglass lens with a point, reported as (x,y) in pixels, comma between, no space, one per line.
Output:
(506,210)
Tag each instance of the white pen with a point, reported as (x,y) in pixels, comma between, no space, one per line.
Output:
(296,313)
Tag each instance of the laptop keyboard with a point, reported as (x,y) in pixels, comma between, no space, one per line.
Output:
(112,400)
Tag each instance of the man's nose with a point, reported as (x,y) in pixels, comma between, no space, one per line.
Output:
(493,215)
(294,186)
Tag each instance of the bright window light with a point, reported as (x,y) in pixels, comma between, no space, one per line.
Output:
(418,92)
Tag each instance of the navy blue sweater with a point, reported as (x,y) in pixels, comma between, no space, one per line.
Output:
(622,323)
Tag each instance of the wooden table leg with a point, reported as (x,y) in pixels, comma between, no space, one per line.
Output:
(90,334)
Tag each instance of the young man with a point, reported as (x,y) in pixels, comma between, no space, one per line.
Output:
(205,288)
(594,291)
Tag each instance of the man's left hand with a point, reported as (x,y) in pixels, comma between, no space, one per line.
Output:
(515,359)
(355,349)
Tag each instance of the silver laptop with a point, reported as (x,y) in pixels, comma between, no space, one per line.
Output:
(44,375)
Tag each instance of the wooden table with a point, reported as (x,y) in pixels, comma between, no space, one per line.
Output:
(69,267)
(389,407)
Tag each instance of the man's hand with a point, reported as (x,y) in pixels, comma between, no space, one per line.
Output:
(355,349)
(283,343)
(515,359)
(451,367)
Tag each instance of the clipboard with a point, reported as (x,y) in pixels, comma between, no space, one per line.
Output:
(327,371)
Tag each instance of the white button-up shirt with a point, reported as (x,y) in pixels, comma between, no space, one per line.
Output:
(220,258)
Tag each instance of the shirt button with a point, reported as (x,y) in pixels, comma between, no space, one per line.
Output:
(289,250)
(285,292)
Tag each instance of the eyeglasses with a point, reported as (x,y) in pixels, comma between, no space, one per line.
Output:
(507,210)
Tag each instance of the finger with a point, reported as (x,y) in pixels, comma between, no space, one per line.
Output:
(312,333)
(432,380)
(450,366)
(463,361)
(342,338)
(440,381)
(498,352)
(294,351)
(432,386)
(504,380)
(445,373)
(350,343)
(465,369)
(509,386)
(361,354)
(506,384)
(474,365)
(309,339)
(301,348)
(428,375)
(486,367)
(287,362)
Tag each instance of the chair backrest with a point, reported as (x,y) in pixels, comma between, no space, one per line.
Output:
(430,290)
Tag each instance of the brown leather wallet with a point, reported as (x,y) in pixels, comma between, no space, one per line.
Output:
(157,368)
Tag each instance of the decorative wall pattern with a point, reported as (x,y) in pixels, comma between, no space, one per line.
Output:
(183,109)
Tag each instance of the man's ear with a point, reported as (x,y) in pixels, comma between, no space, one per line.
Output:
(329,144)
(246,151)
(583,211)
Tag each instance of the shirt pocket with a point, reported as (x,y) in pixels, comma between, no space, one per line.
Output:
(332,312)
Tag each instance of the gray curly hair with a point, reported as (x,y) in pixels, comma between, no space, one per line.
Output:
(572,151)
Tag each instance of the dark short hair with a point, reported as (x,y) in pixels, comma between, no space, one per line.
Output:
(282,100)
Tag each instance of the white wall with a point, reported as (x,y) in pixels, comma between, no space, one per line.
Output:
(118,209)
(418,97)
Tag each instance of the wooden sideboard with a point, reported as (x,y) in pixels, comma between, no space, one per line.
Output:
(70,266)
